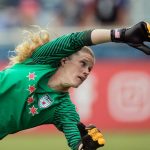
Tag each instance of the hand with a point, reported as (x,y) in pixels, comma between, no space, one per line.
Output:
(134,36)
(91,137)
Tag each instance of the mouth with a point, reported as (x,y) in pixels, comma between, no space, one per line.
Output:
(81,78)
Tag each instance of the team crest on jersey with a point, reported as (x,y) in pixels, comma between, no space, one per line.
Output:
(45,101)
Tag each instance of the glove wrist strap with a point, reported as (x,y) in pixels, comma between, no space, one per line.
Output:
(118,35)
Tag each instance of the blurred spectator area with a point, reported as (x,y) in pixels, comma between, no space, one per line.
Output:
(21,13)
(65,16)
(111,11)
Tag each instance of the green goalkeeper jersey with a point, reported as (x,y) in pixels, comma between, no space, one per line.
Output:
(26,100)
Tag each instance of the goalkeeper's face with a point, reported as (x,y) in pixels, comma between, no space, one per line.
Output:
(76,68)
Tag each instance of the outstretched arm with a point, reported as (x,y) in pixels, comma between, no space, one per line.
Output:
(134,36)
(66,45)
(99,36)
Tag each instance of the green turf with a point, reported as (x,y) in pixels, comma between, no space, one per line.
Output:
(128,141)
(114,141)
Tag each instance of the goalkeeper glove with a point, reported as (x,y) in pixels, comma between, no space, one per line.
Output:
(134,36)
(91,137)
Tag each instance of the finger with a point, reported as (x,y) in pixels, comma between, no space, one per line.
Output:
(97,136)
(144,48)
(147,26)
(148,39)
(89,127)
(93,131)
(141,47)
(101,141)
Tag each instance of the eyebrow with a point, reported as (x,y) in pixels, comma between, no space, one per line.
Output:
(87,61)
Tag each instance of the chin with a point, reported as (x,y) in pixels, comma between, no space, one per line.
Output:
(77,85)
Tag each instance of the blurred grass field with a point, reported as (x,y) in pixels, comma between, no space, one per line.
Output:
(114,141)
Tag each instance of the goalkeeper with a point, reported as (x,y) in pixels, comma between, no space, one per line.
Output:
(34,88)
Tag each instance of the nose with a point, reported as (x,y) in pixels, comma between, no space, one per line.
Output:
(86,72)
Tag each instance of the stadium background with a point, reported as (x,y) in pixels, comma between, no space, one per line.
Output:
(116,95)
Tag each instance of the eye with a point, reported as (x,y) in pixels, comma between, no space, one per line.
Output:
(83,63)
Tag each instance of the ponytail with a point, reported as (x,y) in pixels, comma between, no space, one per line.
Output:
(31,41)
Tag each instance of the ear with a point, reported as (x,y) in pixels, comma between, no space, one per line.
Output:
(63,61)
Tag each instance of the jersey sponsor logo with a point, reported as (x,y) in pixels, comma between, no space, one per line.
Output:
(45,101)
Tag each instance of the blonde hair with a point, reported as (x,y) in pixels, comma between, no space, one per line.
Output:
(31,41)
(85,49)
(88,50)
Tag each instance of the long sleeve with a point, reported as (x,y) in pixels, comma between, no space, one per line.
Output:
(61,47)
(66,119)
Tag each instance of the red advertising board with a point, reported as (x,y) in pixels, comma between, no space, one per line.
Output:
(116,95)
